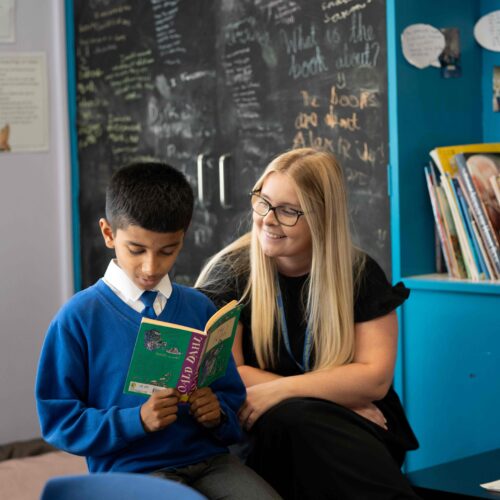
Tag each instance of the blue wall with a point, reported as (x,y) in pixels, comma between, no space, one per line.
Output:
(449,353)
(426,111)
(491,120)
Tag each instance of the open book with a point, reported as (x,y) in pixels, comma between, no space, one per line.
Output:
(171,355)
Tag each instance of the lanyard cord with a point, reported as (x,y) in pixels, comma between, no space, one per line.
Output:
(306,353)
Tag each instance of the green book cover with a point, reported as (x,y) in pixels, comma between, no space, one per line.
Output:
(171,355)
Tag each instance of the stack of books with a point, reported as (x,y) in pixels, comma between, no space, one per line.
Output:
(464,190)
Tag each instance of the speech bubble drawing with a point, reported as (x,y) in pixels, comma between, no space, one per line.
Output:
(422,44)
(487,31)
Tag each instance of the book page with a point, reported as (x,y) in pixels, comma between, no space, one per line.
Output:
(219,344)
(218,314)
(221,333)
(173,325)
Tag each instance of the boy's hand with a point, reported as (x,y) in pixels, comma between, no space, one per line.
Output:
(160,410)
(205,407)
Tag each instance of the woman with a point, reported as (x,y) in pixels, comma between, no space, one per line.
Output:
(317,342)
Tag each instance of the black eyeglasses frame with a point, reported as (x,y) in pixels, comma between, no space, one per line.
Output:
(270,208)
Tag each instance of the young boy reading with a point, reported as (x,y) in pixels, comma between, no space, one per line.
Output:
(88,346)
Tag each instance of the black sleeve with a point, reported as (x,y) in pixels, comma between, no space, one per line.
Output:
(375,296)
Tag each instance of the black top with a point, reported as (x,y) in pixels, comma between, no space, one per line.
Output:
(375,297)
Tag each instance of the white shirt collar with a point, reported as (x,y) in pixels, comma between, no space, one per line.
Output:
(118,280)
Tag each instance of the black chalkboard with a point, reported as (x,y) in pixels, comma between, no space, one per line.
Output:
(218,88)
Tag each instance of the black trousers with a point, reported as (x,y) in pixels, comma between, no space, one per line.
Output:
(313,449)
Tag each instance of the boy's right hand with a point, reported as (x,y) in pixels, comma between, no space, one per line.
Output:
(160,410)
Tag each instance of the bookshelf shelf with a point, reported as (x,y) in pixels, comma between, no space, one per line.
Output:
(449,353)
(443,282)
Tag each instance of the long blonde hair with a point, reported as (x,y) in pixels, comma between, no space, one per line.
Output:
(335,266)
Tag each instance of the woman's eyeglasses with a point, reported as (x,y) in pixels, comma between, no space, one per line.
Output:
(284,215)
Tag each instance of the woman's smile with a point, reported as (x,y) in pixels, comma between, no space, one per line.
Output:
(291,246)
(272,235)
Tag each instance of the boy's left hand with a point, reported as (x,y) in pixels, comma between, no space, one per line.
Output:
(205,407)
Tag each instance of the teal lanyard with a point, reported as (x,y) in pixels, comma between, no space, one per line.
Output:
(306,353)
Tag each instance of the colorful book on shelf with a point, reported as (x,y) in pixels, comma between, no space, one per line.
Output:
(440,261)
(457,260)
(444,156)
(474,230)
(490,274)
(495,184)
(458,268)
(172,355)
(443,237)
(470,265)
(467,218)
(456,257)
(482,201)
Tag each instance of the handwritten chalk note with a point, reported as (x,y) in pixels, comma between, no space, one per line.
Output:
(487,31)
(422,44)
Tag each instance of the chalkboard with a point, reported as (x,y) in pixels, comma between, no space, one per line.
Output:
(218,88)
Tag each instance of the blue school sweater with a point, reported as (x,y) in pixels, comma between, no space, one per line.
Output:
(81,376)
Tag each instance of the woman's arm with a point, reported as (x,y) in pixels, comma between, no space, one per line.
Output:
(366,379)
(354,385)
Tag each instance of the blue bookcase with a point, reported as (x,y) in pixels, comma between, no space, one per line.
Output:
(448,370)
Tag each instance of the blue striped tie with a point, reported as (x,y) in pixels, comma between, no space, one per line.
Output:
(148,298)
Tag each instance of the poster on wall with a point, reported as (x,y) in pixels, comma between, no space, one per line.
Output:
(487,31)
(422,44)
(7,21)
(496,89)
(24,123)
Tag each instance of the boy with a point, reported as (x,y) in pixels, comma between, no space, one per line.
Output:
(87,350)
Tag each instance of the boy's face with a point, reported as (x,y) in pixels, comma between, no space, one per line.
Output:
(145,256)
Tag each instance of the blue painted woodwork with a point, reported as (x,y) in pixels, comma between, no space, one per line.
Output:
(448,370)
(73,134)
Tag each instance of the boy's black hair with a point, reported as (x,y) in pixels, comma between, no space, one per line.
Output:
(152,195)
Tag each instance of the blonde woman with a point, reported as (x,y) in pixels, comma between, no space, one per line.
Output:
(317,342)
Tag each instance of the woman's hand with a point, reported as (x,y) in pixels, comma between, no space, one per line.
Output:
(372,413)
(260,398)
